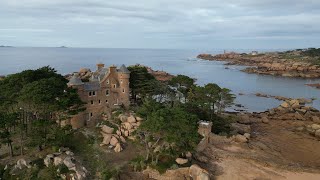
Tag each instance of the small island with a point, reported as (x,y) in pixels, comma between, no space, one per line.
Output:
(303,63)
(316,85)
(2,46)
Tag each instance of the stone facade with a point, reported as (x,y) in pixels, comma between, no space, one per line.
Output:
(106,90)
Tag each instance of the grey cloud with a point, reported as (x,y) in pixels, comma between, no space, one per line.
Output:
(100,22)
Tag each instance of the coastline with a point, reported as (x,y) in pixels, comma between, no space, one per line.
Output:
(275,64)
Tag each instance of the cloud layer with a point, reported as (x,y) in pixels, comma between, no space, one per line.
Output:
(201,24)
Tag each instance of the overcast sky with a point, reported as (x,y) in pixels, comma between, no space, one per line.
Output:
(196,24)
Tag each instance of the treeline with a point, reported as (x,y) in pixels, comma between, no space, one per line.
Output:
(32,103)
(172,110)
(312,52)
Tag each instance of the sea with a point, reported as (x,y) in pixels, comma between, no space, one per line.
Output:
(173,61)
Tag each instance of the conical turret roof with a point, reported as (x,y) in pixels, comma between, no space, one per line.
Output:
(75,80)
(124,69)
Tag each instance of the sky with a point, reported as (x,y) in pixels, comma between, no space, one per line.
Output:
(169,24)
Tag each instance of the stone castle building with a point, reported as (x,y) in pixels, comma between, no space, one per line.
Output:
(106,90)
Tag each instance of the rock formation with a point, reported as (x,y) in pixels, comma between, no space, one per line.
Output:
(268,64)
(66,157)
(115,138)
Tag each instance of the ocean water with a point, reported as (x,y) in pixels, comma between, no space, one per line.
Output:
(68,60)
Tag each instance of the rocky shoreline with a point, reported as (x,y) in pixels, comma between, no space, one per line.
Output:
(275,64)
(281,98)
(159,75)
(314,85)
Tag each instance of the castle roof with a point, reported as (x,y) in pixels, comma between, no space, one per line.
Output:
(99,74)
(123,69)
(91,86)
(75,80)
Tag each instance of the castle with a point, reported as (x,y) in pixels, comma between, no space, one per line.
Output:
(107,89)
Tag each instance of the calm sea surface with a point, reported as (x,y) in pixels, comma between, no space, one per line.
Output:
(67,60)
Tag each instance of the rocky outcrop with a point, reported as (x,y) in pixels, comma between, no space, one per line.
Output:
(295,111)
(240,128)
(196,172)
(129,125)
(181,161)
(268,64)
(281,98)
(159,75)
(317,85)
(111,139)
(66,157)
(241,138)
(193,172)
(114,138)
(21,164)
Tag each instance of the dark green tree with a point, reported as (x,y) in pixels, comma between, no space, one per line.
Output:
(6,123)
(168,129)
(40,97)
(211,98)
(142,83)
(183,84)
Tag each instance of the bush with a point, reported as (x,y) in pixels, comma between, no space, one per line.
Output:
(49,173)
(109,174)
(63,169)
(221,125)
(138,163)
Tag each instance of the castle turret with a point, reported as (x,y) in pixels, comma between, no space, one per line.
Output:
(124,76)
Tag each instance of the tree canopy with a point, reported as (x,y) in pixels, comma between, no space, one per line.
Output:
(172,112)
(32,101)
(142,83)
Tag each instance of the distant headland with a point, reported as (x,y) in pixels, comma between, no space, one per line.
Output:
(304,63)
(2,46)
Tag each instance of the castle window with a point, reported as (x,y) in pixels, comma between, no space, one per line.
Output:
(123,90)
(90,93)
(93,93)
(91,102)
(99,102)
(91,114)
(106,101)
(107,92)
(114,86)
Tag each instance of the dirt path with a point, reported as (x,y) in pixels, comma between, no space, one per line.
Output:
(275,151)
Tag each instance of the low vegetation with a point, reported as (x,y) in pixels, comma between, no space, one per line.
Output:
(311,55)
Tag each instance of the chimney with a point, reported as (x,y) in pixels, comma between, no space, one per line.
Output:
(112,69)
(100,66)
